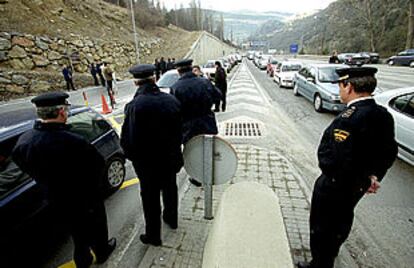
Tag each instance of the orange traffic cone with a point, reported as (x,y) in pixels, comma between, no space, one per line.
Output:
(105,108)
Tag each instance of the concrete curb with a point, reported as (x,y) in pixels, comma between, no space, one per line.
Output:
(248,230)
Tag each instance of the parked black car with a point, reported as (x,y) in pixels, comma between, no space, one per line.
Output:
(373,56)
(22,200)
(357,59)
(405,58)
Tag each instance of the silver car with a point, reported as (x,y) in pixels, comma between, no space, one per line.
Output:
(314,82)
(400,103)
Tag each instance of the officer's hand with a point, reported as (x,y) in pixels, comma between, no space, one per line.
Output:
(375,185)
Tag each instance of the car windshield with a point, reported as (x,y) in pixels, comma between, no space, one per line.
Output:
(291,67)
(209,65)
(168,79)
(274,61)
(327,75)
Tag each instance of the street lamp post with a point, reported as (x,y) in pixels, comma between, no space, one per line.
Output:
(135,30)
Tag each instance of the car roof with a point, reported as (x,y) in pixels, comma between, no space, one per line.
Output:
(14,122)
(325,65)
(389,94)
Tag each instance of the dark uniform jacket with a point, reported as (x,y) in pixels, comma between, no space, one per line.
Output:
(196,95)
(359,143)
(151,133)
(67,165)
(220,79)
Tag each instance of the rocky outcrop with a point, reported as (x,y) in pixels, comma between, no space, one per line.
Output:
(26,59)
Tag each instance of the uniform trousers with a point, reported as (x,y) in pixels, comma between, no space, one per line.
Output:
(153,183)
(88,227)
(331,218)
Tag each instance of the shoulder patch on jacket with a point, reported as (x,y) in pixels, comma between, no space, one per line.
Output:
(340,135)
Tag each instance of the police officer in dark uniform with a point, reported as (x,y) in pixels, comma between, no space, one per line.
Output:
(151,139)
(354,154)
(71,170)
(196,95)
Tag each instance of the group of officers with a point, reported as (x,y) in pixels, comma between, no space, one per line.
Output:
(354,154)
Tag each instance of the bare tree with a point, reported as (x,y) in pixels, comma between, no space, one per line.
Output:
(410,33)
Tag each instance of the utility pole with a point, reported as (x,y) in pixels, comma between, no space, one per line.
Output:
(135,30)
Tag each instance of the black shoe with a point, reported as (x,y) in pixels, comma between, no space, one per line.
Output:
(304,265)
(170,224)
(146,240)
(109,249)
(195,182)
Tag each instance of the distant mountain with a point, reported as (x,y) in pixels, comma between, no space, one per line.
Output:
(244,23)
(345,26)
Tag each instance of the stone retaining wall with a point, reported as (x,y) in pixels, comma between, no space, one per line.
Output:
(31,64)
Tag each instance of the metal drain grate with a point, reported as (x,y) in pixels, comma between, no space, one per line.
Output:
(242,129)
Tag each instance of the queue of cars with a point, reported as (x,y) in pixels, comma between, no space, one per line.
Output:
(314,83)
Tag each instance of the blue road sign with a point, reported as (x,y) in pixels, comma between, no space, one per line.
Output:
(294,48)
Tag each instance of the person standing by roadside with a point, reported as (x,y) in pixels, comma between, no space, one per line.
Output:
(355,152)
(163,66)
(151,139)
(334,58)
(71,170)
(99,72)
(157,69)
(170,64)
(196,96)
(220,80)
(108,73)
(92,69)
(67,74)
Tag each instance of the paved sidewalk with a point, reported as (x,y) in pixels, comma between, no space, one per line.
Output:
(184,247)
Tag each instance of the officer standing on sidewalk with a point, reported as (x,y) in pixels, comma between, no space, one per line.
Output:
(71,170)
(196,95)
(354,155)
(151,139)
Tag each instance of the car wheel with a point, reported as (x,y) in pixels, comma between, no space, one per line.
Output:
(115,174)
(317,103)
(280,83)
(296,90)
(412,64)
(391,62)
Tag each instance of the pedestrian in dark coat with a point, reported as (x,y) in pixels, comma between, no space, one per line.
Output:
(67,74)
(220,80)
(151,139)
(92,69)
(170,64)
(163,66)
(71,170)
(334,58)
(99,72)
(196,96)
(354,155)
(157,69)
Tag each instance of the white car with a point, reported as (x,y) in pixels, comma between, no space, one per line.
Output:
(400,103)
(167,80)
(209,69)
(285,73)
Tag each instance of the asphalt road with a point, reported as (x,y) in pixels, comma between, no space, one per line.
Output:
(383,231)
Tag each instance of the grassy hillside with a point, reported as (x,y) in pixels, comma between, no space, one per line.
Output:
(93,19)
(343,26)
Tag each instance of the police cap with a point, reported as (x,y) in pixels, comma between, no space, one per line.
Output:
(142,71)
(51,99)
(347,73)
(184,63)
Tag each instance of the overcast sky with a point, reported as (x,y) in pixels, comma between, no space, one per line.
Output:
(293,6)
